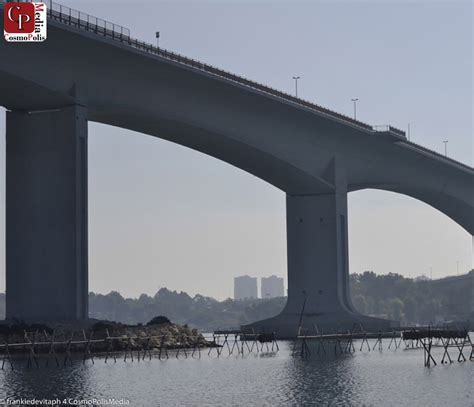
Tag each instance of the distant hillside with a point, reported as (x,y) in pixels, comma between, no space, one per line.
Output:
(390,296)
(198,311)
(412,301)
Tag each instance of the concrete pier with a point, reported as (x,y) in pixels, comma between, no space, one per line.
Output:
(317,253)
(318,268)
(318,274)
(46,214)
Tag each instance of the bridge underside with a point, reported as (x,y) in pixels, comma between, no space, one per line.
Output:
(46,233)
(46,210)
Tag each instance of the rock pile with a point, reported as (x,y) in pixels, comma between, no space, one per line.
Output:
(101,336)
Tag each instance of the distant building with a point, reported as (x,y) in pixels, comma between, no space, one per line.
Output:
(245,287)
(272,287)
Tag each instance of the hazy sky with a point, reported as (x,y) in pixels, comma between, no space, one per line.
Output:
(163,215)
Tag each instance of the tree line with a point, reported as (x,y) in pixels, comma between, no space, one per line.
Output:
(392,296)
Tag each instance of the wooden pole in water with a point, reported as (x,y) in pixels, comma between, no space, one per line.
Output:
(31,353)
(87,349)
(7,355)
(68,350)
(51,352)
(446,353)
(364,339)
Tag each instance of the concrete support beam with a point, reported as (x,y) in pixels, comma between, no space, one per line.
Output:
(46,215)
(318,266)
(317,254)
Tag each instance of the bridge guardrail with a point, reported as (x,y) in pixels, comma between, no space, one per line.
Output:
(77,19)
(386,128)
(66,15)
(427,150)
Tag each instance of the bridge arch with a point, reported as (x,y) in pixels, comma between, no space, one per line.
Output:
(179,221)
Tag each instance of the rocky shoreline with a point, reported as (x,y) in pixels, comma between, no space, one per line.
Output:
(99,337)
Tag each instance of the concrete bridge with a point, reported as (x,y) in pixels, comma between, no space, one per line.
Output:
(89,70)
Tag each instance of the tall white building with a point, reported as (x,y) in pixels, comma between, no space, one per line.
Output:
(245,287)
(272,287)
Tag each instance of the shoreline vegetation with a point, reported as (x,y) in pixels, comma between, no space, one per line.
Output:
(418,301)
(98,337)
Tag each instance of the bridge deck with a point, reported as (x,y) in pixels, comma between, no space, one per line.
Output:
(77,19)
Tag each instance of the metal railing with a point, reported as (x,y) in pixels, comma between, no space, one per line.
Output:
(84,21)
(386,128)
(429,151)
(77,19)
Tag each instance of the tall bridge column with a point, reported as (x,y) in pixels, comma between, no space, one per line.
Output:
(318,266)
(317,254)
(46,215)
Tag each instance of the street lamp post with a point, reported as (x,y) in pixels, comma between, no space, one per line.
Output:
(355,107)
(445,147)
(296,84)
(158,39)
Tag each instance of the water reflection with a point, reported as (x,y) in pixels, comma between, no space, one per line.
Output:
(321,380)
(48,383)
(393,378)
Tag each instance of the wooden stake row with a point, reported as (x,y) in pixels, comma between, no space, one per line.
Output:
(413,339)
(458,344)
(67,347)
